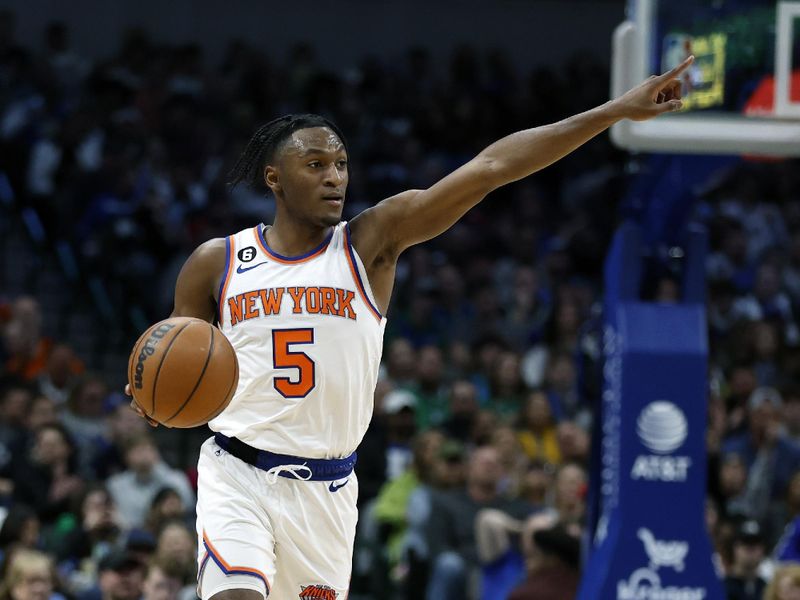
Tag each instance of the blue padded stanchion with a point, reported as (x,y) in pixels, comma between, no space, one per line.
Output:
(649,538)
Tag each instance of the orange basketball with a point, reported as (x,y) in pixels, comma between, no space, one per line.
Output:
(183,372)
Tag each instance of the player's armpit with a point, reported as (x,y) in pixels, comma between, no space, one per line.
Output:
(416,216)
(198,281)
(371,230)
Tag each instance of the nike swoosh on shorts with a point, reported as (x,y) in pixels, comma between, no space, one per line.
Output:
(333,487)
(241,269)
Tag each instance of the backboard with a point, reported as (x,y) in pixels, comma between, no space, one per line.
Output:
(742,94)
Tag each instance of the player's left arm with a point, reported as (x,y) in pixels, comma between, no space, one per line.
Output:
(416,216)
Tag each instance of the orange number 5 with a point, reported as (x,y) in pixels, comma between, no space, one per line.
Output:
(284,358)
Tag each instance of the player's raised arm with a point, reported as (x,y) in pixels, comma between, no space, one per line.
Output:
(411,218)
(196,288)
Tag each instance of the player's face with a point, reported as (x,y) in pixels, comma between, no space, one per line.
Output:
(311,176)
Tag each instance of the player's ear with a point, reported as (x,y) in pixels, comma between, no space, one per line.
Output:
(271,178)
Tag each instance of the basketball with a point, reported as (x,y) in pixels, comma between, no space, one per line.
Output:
(183,372)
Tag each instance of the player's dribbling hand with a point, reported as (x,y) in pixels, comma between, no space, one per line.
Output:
(138,409)
(654,96)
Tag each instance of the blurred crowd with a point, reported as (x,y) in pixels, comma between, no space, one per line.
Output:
(473,474)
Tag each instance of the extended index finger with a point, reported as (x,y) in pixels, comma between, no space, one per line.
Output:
(675,71)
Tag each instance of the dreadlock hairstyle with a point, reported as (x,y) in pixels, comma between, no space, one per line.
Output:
(261,148)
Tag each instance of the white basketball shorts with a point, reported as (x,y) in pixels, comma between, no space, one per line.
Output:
(286,538)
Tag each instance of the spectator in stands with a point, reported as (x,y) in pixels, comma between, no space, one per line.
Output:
(401,362)
(84,410)
(721,316)
(765,348)
(29,575)
(536,430)
(58,377)
(729,262)
(741,383)
(48,477)
(450,467)
(97,527)
(432,401)
(731,485)
(66,66)
(463,410)
(176,545)
(482,428)
(506,386)
(123,425)
(15,402)
(513,461)
(167,506)
(765,444)
(27,350)
(768,301)
(393,505)
(486,351)
(443,471)
(785,584)
(399,408)
(526,313)
(120,577)
(452,546)
(42,411)
(142,544)
(133,490)
(163,581)
(386,447)
(743,581)
(553,570)
(454,313)
(21,529)
(573,443)
(569,493)
(84,416)
(560,384)
(536,483)
(782,512)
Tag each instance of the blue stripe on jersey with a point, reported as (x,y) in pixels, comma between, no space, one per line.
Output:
(223,279)
(358,273)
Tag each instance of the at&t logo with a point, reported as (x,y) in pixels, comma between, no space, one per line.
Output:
(662,429)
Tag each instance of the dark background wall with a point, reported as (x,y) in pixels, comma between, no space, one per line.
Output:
(532,31)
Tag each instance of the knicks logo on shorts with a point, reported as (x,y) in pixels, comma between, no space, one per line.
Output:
(318,592)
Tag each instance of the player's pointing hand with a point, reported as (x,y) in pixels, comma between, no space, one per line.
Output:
(656,95)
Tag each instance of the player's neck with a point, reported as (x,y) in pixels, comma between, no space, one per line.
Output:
(291,238)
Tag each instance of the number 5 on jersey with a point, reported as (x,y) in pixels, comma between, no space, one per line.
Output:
(285,358)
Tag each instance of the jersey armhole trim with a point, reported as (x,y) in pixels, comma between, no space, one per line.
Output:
(226,277)
(351,260)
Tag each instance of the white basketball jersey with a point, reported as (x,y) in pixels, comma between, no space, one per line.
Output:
(308,337)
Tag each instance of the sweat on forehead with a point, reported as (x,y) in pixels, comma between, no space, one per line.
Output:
(312,138)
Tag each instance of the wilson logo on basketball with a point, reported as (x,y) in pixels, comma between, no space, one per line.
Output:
(321,592)
(147,350)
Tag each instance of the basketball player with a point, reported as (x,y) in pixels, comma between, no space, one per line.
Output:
(303,303)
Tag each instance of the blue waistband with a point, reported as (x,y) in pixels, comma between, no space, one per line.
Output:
(321,469)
